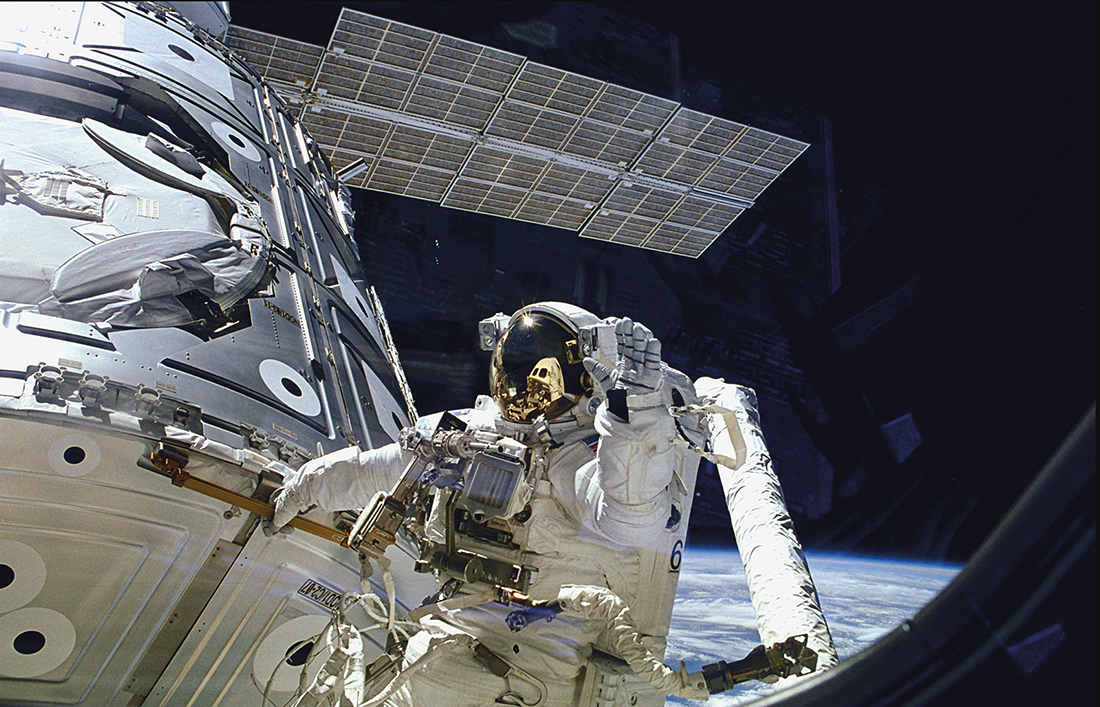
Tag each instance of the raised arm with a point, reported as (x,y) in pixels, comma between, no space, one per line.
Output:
(624,492)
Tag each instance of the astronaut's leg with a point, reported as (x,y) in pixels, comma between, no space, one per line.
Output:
(782,591)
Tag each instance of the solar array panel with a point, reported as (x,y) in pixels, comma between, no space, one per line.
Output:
(660,219)
(476,128)
(528,188)
(719,155)
(288,64)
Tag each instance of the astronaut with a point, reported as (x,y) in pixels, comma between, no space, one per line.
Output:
(579,552)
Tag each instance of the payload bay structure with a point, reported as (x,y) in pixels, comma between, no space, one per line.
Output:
(412,112)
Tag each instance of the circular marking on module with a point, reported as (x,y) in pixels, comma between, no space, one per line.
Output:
(298,653)
(74,455)
(290,387)
(29,642)
(282,653)
(22,574)
(7,576)
(34,641)
(181,52)
(233,140)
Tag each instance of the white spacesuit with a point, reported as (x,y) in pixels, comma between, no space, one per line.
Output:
(579,552)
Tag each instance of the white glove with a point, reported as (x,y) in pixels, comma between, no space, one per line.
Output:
(290,499)
(638,369)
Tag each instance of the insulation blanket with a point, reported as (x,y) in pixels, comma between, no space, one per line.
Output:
(782,591)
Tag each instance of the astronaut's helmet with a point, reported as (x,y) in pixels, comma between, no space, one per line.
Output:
(536,367)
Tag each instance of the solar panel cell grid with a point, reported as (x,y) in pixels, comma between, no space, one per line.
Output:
(541,85)
(737,179)
(358,34)
(407,179)
(415,103)
(575,183)
(472,64)
(531,125)
(403,46)
(678,164)
(605,143)
(450,102)
(553,210)
(359,134)
(501,167)
(423,147)
(276,58)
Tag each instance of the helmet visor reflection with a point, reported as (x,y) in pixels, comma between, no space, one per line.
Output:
(535,369)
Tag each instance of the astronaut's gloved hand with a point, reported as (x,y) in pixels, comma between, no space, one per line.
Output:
(290,499)
(637,374)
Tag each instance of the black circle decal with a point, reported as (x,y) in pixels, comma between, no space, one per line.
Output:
(296,658)
(29,642)
(181,52)
(291,387)
(7,576)
(74,455)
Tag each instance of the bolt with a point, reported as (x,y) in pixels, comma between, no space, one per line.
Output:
(145,401)
(286,452)
(257,439)
(47,382)
(91,387)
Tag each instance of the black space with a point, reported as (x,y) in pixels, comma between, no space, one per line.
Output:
(975,125)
